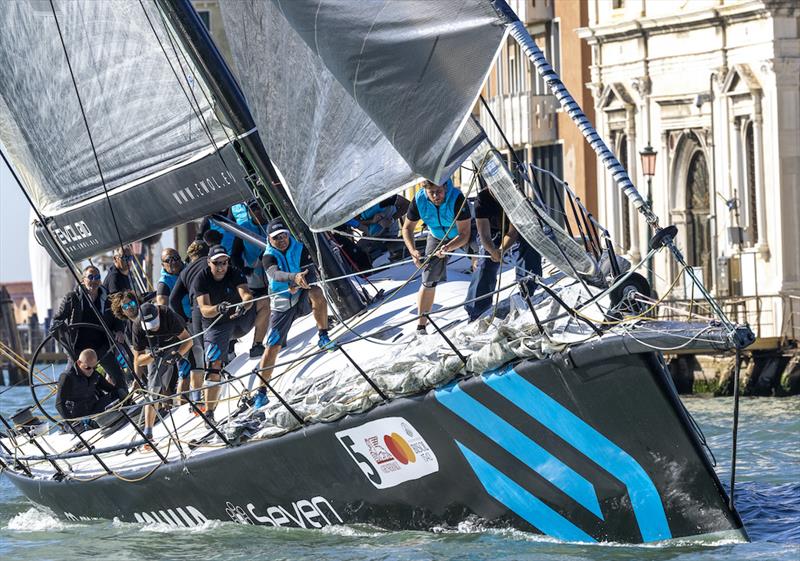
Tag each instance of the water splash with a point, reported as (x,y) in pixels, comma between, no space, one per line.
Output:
(35,520)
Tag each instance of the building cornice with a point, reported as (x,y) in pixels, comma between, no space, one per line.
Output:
(635,28)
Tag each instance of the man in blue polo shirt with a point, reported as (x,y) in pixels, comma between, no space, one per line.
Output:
(445,212)
(289,269)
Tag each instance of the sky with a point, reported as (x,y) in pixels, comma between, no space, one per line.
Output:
(14,220)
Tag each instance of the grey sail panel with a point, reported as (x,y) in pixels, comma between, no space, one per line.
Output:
(542,232)
(142,123)
(354,103)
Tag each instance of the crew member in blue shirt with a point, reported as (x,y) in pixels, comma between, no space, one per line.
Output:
(445,212)
(289,269)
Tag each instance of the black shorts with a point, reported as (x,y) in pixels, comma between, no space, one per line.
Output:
(259,292)
(282,320)
(159,377)
(218,336)
(436,269)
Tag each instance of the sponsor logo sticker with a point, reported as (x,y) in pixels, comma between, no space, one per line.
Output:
(389,451)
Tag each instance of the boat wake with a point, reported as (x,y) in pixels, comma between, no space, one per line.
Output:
(35,520)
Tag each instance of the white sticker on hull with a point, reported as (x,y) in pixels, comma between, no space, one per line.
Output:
(389,451)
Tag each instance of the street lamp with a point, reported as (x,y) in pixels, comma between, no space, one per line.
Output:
(648,156)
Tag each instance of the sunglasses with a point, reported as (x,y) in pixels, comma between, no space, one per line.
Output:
(132,305)
(220,263)
(173,259)
(85,366)
(125,257)
(92,277)
(279,237)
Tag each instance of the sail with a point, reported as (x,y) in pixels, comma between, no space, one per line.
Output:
(41,266)
(163,156)
(354,100)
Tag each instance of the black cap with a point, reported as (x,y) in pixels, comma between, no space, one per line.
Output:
(277,226)
(150,316)
(217,251)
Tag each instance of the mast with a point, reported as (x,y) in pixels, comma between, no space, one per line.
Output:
(225,89)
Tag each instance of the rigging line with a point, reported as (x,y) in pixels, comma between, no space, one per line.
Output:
(194,109)
(70,263)
(86,123)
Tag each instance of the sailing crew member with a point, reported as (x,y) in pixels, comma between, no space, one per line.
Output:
(496,235)
(209,224)
(381,220)
(82,391)
(76,308)
(289,269)
(118,276)
(217,289)
(247,256)
(197,253)
(171,267)
(158,327)
(444,210)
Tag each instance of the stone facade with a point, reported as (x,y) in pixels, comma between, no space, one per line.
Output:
(714,87)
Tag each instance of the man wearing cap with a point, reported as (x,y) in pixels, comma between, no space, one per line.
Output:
(444,210)
(158,327)
(288,265)
(221,290)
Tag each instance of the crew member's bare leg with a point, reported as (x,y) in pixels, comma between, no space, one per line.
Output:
(320,307)
(425,298)
(262,321)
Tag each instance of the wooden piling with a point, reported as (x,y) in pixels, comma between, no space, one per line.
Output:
(10,336)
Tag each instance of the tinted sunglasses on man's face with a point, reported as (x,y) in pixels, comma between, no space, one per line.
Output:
(93,277)
(172,259)
(129,305)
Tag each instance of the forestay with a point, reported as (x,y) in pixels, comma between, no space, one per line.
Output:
(156,138)
(354,100)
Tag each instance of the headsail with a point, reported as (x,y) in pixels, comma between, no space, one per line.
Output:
(164,155)
(353,102)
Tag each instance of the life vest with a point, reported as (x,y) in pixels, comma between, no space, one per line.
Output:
(288,262)
(227,237)
(439,218)
(252,252)
(374,229)
(170,280)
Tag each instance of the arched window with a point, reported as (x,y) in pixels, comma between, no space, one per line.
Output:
(752,210)
(698,206)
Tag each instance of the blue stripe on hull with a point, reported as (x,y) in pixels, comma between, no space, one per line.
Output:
(645,500)
(522,503)
(521,447)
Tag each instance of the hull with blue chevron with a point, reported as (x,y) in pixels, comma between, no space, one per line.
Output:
(589,446)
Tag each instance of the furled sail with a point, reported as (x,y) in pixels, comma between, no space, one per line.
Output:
(163,155)
(353,100)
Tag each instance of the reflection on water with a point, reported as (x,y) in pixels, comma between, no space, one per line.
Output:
(768,498)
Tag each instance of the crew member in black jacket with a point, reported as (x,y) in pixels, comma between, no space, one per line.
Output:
(82,391)
(75,308)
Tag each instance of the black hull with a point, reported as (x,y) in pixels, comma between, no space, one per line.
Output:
(601,451)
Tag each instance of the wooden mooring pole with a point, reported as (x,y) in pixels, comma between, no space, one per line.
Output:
(10,336)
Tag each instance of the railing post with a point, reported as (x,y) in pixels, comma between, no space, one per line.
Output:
(209,423)
(283,402)
(150,441)
(447,340)
(89,447)
(14,442)
(364,375)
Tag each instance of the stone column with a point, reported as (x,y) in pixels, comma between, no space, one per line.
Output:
(633,216)
(758,160)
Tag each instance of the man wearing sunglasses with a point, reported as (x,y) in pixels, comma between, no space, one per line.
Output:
(118,276)
(289,269)
(76,307)
(82,391)
(218,289)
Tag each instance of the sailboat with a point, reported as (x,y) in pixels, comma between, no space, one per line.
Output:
(556,416)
